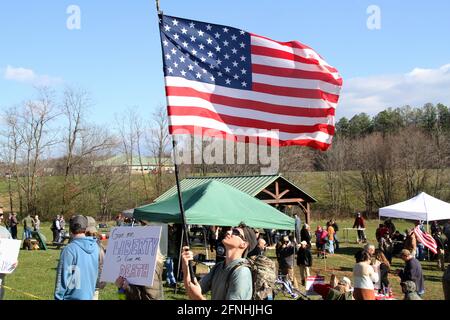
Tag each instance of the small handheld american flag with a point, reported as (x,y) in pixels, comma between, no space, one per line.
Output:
(228,82)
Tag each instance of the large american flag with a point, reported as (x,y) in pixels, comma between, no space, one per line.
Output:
(427,240)
(222,81)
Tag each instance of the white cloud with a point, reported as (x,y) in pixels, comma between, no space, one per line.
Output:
(29,76)
(375,93)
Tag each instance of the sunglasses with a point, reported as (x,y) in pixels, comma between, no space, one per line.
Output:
(236,232)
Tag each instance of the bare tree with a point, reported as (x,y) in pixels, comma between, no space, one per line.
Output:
(440,157)
(35,133)
(361,160)
(385,169)
(81,140)
(107,184)
(334,163)
(10,146)
(125,127)
(73,108)
(414,157)
(140,135)
(159,143)
(374,159)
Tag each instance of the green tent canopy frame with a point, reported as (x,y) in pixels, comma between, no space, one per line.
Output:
(217,204)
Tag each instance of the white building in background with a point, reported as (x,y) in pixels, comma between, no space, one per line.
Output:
(148,165)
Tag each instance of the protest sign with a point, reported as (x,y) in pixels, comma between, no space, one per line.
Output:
(310,281)
(9,252)
(132,254)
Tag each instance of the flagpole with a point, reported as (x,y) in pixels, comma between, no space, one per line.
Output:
(183,215)
(180,198)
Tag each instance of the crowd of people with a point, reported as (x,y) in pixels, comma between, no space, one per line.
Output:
(233,275)
(391,241)
(29,224)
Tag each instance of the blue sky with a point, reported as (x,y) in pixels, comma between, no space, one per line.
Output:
(116,54)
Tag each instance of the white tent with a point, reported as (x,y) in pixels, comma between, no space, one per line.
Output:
(422,207)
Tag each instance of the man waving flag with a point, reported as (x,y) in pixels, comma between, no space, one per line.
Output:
(427,240)
(222,81)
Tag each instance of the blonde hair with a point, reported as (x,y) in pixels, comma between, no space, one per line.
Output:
(379,255)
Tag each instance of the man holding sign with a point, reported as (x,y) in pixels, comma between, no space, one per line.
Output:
(8,253)
(133,262)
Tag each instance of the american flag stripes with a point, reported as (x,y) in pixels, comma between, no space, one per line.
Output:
(226,81)
(426,239)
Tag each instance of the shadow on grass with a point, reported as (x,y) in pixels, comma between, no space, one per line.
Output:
(171,294)
(348,251)
(346,269)
(433,278)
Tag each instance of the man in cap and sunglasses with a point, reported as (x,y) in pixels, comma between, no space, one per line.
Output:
(225,280)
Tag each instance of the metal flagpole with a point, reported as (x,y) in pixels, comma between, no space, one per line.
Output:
(428,249)
(183,215)
(180,199)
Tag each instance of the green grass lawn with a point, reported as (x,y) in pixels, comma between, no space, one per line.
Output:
(35,276)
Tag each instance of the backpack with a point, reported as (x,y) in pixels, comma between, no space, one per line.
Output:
(263,276)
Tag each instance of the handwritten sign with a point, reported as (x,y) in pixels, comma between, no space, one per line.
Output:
(310,281)
(132,253)
(9,252)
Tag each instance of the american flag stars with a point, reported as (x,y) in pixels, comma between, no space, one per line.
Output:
(203,52)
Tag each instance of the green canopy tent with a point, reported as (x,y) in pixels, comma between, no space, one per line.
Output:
(40,238)
(217,204)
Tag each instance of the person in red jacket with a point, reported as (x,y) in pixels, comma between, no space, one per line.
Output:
(360,224)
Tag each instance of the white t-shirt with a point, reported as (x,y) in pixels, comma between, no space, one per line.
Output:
(376,268)
(364,276)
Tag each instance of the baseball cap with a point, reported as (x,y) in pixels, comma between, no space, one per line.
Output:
(91,225)
(78,223)
(250,237)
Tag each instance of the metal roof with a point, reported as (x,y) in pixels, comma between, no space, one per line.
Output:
(251,185)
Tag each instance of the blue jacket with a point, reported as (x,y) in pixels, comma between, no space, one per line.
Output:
(413,271)
(77,270)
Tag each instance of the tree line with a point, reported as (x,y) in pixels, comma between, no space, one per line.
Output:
(392,156)
(53,160)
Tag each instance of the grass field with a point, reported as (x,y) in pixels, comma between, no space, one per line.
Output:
(34,278)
